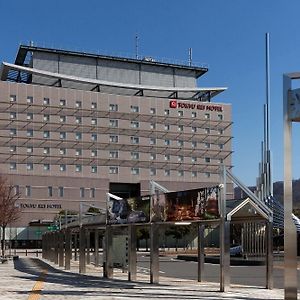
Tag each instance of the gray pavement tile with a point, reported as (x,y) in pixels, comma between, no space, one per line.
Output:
(18,278)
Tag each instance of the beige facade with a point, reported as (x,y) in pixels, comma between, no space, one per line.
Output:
(74,126)
(60,146)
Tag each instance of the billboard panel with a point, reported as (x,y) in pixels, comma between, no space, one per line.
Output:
(190,205)
(126,211)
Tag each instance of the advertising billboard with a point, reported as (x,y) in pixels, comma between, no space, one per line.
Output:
(126,211)
(189,205)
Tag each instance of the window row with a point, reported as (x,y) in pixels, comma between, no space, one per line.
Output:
(47,167)
(114,123)
(112,107)
(83,192)
(112,138)
(153,172)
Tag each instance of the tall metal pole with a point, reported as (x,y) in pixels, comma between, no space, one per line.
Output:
(290,235)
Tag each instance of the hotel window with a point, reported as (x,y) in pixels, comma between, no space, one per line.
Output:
(13,131)
(167,112)
(113,139)
(13,115)
(94,121)
(17,190)
(46,150)
(152,141)
(113,123)
(194,173)
(220,117)
(152,156)
(94,105)
(94,153)
(180,113)
(81,192)
(221,146)
(46,134)
(180,173)
(113,107)
(167,142)
(135,171)
(60,191)
(94,137)
(29,132)
(152,111)
(29,166)
(167,172)
(167,127)
(167,156)
(46,167)
(78,120)
(194,129)
(152,171)
(194,144)
(207,159)
(62,102)
(134,108)
(78,136)
(180,143)
(152,125)
(135,124)
(62,167)
(62,151)
(135,155)
(207,174)
(78,152)
(194,159)
(94,169)
(50,191)
(92,192)
(29,100)
(13,98)
(207,116)
(207,145)
(78,104)
(113,170)
(78,168)
(207,130)
(134,140)
(62,119)
(220,131)
(28,190)
(29,116)
(180,127)
(13,166)
(12,148)
(221,160)
(62,135)
(194,114)
(46,118)
(29,149)
(113,154)
(46,101)
(180,158)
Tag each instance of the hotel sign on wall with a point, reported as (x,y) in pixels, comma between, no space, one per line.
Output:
(189,105)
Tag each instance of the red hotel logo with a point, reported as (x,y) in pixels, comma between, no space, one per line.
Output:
(173,104)
(209,107)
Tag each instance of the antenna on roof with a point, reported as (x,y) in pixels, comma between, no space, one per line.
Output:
(136,46)
(190,57)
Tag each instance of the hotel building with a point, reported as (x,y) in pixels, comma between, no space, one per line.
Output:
(74,126)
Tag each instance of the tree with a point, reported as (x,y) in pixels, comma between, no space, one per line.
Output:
(177,232)
(9,212)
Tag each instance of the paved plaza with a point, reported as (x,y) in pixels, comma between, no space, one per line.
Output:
(32,278)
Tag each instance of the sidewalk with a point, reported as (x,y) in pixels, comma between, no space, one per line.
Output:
(33,278)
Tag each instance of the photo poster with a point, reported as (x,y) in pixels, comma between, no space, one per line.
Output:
(189,205)
(128,211)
